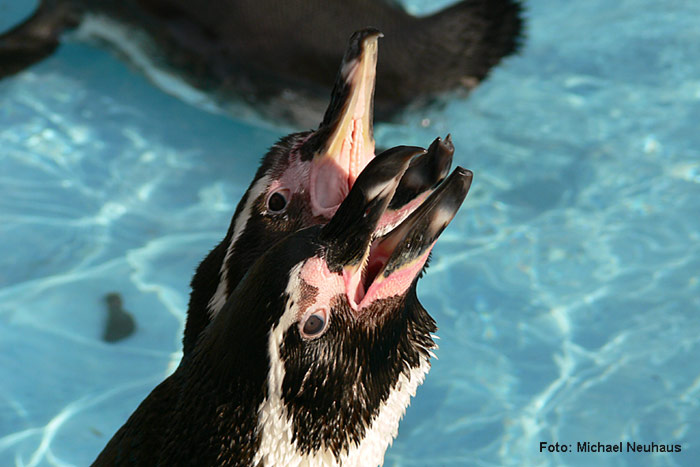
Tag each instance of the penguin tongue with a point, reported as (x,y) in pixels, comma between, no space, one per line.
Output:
(343,145)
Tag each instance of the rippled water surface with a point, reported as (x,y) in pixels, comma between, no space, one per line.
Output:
(567,290)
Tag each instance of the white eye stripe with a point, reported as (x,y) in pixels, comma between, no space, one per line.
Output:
(273,419)
(217,301)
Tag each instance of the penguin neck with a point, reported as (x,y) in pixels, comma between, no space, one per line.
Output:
(223,268)
(278,442)
(221,271)
(222,381)
(349,416)
(245,372)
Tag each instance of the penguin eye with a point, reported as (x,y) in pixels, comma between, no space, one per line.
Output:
(278,201)
(314,324)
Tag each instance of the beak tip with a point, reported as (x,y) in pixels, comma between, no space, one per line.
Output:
(447,144)
(367,34)
(466,177)
(361,41)
(464,172)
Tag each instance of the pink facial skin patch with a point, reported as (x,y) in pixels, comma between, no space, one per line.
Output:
(316,273)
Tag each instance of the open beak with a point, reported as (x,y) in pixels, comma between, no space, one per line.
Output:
(406,248)
(421,178)
(343,145)
(377,266)
(424,173)
(352,228)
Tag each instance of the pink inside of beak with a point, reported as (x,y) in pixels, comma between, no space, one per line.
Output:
(330,185)
(365,287)
(332,175)
(397,283)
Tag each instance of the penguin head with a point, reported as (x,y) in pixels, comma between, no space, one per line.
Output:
(304,177)
(328,327)
(303,180)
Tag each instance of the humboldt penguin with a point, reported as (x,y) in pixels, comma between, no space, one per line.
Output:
(314,358)
(302,181)
(278,56)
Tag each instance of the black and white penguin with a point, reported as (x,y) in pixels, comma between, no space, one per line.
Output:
(280,56)
(303,179)
(314,358)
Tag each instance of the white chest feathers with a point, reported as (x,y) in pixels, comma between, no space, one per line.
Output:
(277,448)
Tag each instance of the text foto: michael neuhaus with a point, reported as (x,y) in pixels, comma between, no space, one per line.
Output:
(629,446)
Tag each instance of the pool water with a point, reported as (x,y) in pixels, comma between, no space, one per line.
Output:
(567,290)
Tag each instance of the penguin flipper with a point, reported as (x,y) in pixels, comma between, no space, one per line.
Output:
(477,33)
(455,47)
(36,38)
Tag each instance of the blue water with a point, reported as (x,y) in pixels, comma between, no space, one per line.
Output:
(567,290)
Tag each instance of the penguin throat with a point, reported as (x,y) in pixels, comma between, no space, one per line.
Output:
(375,263)
(368,286)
